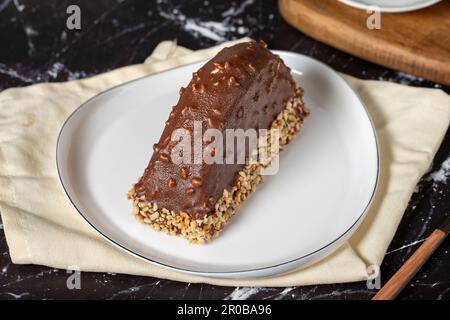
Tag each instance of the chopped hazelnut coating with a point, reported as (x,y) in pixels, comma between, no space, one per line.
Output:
(243,87)
(203,229)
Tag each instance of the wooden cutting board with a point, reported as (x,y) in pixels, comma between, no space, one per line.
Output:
(415,42)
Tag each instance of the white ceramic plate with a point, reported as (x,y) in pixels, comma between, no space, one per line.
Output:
(391,5)
(325,184)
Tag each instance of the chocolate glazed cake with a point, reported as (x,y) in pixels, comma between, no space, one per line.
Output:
(243,87)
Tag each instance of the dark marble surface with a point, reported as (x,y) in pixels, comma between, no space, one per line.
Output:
(36,46)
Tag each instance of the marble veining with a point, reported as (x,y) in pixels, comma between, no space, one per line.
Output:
(214,30)
(442,174)
(243,293)
(123,32)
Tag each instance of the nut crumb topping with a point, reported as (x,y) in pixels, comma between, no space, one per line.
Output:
(200,228)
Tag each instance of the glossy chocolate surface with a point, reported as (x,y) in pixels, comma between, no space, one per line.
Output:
(243,86)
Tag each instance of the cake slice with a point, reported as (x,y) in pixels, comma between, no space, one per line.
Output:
(243,87)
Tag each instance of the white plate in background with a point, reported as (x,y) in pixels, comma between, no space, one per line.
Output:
(325,184)
(391,5)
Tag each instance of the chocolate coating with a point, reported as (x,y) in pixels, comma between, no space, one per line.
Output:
(243,86)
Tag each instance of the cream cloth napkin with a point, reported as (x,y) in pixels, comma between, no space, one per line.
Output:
(42,228)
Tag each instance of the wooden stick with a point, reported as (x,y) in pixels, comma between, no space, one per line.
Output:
(404,275)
